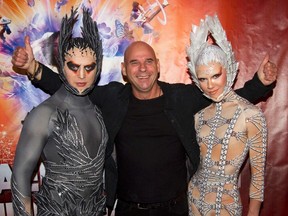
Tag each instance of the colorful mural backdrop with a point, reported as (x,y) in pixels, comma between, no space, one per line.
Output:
(254,28)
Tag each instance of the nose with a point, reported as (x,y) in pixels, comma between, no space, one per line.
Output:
(210,84)
(143,67)
(81,73)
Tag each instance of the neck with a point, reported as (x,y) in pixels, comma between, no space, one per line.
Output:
(72,99)
(154,93)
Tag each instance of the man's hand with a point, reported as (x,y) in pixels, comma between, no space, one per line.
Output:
(267,72)
(23,58)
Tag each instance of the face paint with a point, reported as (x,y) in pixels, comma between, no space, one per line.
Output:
(212,79)
(80,69)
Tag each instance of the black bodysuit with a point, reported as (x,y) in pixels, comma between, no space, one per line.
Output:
(68,132)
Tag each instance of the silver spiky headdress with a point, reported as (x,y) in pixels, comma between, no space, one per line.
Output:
(201,52)
(90,39)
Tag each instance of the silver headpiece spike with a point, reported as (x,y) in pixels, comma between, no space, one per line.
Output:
(200,49)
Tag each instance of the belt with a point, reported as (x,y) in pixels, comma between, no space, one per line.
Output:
(144,206)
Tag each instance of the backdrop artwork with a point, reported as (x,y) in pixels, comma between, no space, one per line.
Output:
(254,28)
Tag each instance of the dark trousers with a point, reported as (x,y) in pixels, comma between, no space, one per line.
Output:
(177,207)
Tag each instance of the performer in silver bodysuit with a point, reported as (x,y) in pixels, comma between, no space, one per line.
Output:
(67,132)
(227,131)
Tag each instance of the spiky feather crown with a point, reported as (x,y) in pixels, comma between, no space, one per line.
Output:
(200,51)
(90,39)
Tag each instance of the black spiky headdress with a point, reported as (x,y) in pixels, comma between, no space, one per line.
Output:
(90,39)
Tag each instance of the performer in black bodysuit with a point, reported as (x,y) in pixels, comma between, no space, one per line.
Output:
(67,132)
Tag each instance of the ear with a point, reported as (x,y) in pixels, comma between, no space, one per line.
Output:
(123,69)
(158,66)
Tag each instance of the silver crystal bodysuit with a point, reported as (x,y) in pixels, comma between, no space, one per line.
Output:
(227,132)
(68,132)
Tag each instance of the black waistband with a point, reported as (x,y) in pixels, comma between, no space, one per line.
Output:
(169,203)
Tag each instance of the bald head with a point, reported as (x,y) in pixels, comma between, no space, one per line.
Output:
(138,45)
(141,69)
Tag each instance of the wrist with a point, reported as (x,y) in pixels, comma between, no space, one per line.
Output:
(32,67)
(254,207)
(34,70)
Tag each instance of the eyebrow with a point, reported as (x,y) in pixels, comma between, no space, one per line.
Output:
(219,72)
(133,60)
(71,62)
(150,59)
